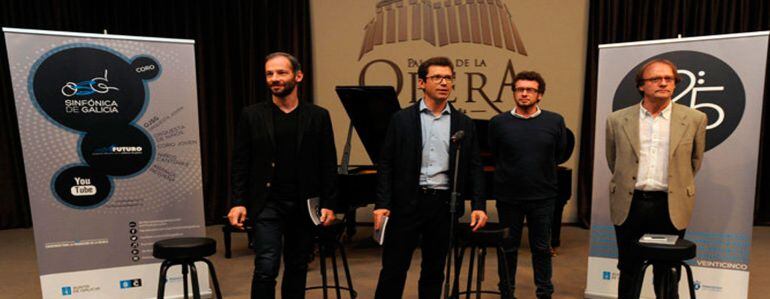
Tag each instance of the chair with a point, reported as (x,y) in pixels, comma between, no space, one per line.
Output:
(228,229)
(328,240)
(662,255)
(185,252)
(492,235)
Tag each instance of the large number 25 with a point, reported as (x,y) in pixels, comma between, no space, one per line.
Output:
(694,98)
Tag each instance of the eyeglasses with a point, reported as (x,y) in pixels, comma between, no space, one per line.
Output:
(439,78)
(657,80)
(526,89)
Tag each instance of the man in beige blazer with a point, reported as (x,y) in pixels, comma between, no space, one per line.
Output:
(653,150)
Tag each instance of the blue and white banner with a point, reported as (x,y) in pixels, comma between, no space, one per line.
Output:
(722,76)
(109,133)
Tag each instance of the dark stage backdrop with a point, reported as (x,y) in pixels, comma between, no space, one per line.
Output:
(231,40)
(614,21)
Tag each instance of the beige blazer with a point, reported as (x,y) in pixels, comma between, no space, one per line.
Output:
(687,143)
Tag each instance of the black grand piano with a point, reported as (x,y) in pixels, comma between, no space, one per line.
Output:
(370,109)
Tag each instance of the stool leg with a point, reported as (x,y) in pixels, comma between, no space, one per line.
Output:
(353,293)
(468,285)
(459,253)
(690,282)
(184,279)
(501,259)
(322,259)
(640,280)
(228,240)
(213,277)
(480,270)
(663,289)
(336,274)
(194,279)
(162,278)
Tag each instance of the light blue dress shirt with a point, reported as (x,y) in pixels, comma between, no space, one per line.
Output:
(434,171)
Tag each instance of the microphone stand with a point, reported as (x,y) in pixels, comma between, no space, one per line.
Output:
(452,213)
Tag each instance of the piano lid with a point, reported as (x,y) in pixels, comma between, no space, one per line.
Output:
(369,109)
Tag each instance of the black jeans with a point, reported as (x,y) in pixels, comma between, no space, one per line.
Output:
(430,223)
(648,215)
(538,214)
(282,226)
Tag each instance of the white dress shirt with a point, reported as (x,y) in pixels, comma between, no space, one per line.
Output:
(654,137)
(516,114)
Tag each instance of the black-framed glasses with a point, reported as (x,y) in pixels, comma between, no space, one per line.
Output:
(657,80)
(439,78)
(525,89)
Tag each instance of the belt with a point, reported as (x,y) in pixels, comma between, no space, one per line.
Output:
(650,195)
(432,192)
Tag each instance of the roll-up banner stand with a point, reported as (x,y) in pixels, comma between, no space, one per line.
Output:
(722,76)
(109,134)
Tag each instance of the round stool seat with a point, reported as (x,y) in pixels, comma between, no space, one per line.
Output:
(184,248)
(489,236)
(680,251)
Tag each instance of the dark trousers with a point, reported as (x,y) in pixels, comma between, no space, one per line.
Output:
(281,226)
(428,227)
(648,215)
(538,214)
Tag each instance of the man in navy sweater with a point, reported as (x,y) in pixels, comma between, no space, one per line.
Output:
(527,142)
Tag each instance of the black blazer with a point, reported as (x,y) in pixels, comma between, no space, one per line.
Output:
(401,158)
(253,156)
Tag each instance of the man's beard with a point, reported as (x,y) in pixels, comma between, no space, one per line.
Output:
(530,104)
(287,89)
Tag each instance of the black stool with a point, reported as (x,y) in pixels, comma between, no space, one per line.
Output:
(328,240)
(185,252)
(662,255)
(228,229)
(492,235)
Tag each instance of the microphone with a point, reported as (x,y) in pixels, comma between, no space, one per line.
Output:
(458,136)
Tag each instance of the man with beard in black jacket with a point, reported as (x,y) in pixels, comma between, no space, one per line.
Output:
(273,140)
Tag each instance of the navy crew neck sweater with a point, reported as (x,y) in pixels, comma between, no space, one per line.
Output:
(526,152)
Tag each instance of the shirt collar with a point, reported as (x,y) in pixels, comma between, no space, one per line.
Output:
(516,114)
(424,108)
(666,113)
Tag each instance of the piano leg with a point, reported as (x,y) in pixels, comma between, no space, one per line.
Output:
(350,222)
